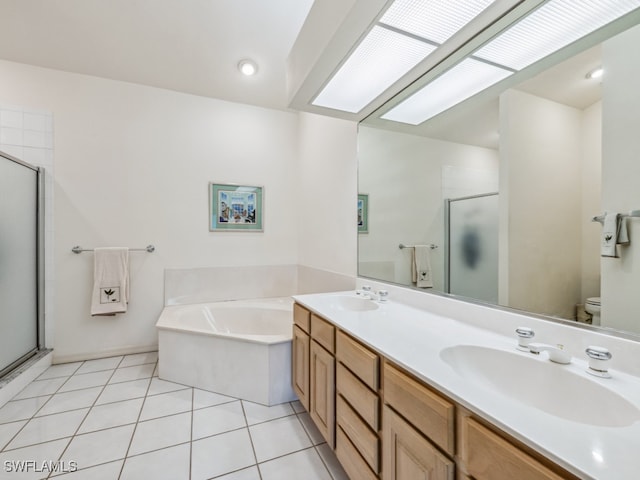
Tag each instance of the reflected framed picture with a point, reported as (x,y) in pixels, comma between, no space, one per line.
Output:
(235,208)
(363,213)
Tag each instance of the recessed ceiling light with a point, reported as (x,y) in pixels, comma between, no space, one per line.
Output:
(595,74)
(248,67)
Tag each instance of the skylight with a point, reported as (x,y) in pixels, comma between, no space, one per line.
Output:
(379,61)
(406,34)
(461,82)
(554,25)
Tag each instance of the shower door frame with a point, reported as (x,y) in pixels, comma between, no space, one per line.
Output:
(40,273)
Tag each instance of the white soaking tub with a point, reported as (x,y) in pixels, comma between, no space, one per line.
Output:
(240,348)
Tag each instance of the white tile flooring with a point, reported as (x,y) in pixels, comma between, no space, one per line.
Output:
(114,419)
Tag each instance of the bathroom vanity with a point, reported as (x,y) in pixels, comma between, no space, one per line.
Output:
(400,393)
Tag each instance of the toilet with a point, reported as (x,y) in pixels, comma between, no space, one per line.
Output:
(592,306)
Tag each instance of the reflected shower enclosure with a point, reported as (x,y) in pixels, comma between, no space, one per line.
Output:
(21,290)
(471,242)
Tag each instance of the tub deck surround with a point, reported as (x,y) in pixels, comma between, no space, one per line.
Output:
(238,348)
(414,339)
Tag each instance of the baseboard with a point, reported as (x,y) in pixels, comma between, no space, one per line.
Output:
(114,352)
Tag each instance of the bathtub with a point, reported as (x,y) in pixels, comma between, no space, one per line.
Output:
(240,348)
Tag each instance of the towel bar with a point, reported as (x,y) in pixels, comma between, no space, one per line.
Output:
(148,248)
(430,245)
(631,214)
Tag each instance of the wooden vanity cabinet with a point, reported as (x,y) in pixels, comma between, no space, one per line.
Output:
(358,408)
(313,369)
(300,365)
(418,427)
(383,422)
(300,354)
(485,454)
(322,378)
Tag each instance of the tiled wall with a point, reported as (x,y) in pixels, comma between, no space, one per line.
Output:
(27,134)
(215,284)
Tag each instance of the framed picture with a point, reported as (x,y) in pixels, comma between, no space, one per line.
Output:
(235,208)
(363,213)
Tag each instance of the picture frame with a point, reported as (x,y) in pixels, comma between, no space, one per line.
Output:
(235,208)
(363,213)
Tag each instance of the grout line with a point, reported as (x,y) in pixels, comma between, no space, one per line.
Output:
(322,459)
(253,448)
(291,412)
(151,451)
(313,444)
(133,434)
(85,417)
(40,408)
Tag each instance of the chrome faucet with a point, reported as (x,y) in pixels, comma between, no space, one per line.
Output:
(556,353)
(365,291)
(599,359)
(525,334)
(383,295)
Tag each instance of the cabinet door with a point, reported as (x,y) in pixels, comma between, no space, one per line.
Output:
(300,365)
(322,390)
(489,456)
(407,455)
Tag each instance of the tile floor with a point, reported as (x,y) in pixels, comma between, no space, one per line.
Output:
(114,419)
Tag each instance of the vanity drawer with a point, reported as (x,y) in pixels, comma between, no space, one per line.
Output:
(363,439)
(364,363)
(350,459)
(323,332)
(363,400)
(486,455)
(301,317)
(430,413)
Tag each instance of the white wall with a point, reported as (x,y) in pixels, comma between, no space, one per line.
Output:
(132,168)
(323,207)
(621,176)
(540,155)
(407,178)
(591,199)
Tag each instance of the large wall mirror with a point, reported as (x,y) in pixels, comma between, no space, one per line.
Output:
(499,192)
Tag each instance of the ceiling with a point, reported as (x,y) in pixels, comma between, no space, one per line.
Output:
(194,46)
(190,46)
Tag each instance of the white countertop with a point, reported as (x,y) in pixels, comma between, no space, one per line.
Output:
(414,338)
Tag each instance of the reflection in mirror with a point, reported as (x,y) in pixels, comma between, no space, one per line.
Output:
(559,148)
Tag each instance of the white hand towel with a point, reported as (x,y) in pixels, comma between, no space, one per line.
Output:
(421,266)
(110,281)
(614,232)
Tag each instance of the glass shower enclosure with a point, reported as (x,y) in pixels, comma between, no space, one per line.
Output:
(471,242)
(21,260)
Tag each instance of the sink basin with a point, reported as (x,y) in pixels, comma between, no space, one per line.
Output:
(352,304)
(542,384)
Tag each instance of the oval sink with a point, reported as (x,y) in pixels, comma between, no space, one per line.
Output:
(541,384)
(352,304)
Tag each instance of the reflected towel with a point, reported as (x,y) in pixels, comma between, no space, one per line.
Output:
(614,232)
(110,293)
(421,266)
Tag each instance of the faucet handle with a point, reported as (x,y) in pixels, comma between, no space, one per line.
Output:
(383,295)
(525,334)
(599,359)
(365,291)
